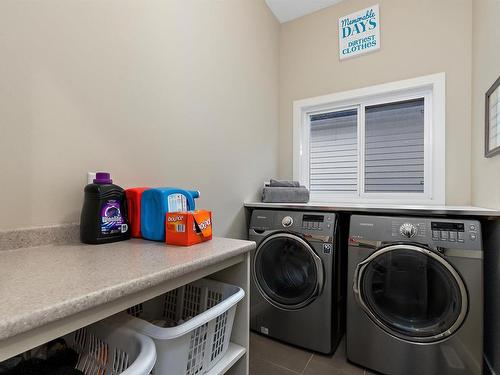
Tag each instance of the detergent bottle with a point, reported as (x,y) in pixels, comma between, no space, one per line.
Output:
(104,213)
(134,196)
(155,203)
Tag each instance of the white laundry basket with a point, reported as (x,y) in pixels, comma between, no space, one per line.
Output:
(106,349)
(194,346)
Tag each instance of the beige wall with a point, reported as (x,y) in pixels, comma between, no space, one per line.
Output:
(485,70)
(162,93)
(417,38)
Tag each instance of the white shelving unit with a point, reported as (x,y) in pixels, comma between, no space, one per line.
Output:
(233,354)
(225,260)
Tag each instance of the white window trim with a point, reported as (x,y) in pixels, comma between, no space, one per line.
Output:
(431,86)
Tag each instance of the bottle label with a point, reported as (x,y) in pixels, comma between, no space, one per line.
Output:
(112,221)
(177,203)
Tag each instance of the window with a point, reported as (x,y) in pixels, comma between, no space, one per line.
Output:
(382,144)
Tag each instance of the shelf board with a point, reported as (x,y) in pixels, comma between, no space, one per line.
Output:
(233,354)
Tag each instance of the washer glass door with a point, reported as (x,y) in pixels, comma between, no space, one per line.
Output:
(287,271)
(412,293)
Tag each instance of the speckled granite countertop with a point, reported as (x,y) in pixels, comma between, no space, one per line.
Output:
(39,285)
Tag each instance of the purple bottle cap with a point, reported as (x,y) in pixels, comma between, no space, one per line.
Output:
(103,178)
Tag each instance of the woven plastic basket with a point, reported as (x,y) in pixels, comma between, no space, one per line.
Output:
(106,349)
(201,315)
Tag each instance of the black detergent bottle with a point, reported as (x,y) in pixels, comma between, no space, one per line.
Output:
(104,213)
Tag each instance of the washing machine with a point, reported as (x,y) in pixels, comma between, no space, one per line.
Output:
(295,291)
(415,295)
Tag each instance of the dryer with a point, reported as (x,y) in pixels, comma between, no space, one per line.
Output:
(295,291)
(415,295)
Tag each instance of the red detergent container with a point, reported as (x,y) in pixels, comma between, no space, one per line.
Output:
(134,196)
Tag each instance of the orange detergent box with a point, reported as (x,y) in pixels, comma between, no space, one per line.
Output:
(188,228)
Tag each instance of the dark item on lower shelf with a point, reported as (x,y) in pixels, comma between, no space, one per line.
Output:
(61,361)
(66,370)
(65,357)
(33,366)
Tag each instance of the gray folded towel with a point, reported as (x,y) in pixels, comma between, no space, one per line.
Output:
(283,183)
(283,194)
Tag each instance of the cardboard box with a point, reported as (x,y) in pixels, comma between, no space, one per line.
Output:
(188,228)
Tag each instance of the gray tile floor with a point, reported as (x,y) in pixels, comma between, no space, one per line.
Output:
(270,357)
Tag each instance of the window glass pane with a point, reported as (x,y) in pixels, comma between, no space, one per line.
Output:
(334,152)
(394,147)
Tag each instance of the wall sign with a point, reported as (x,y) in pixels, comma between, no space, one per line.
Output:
(359,32)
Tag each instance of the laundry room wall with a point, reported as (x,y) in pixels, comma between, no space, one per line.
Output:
(485,70)
(417,38)
(160,93)
(486,171)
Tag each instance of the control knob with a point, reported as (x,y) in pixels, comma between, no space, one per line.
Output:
(287,221)
(407,230)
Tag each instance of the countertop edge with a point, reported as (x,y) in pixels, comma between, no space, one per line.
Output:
(27,322)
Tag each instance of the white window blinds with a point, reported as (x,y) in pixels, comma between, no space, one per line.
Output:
(334,152)
(378,144)
(394,147)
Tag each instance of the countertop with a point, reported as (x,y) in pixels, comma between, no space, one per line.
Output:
(40,285)
(468,211)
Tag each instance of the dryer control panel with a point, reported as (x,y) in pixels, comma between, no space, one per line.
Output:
(315,224)
(454,231)
(443,232)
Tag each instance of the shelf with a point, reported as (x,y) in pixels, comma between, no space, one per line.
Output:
(233,354)
(421,210)
(123,274)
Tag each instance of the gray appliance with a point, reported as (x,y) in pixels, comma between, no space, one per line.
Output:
(415,295)
(295,291)
(491,241)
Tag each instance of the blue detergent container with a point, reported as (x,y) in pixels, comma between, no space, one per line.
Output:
(155,203)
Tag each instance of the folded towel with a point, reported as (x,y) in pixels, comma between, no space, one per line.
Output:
(283,183)
(281,194)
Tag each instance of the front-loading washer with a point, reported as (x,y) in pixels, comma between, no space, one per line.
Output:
(415,295)
(295,291)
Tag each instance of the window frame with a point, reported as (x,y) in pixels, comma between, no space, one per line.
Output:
(431,88)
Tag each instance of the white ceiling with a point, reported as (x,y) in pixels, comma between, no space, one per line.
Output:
(287,10)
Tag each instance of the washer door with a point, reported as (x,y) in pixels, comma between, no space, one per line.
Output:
(411,292)
(287,271)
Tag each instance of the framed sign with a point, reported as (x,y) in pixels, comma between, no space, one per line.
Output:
(359,32)
(492,121)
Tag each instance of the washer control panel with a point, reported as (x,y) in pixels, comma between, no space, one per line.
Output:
(287,221)
(442,232)
(408,230)
(311,223)
(315,222)
(454,232)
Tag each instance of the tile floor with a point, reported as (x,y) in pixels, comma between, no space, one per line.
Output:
(269,357)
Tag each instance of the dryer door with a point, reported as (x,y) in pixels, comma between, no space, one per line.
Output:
(287,271)
(411,292)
